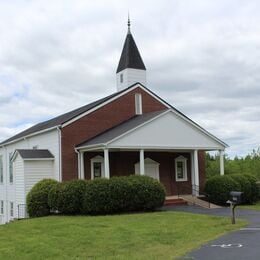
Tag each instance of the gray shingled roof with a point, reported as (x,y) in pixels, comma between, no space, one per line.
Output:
(120,129)
(35,153)
(130,56)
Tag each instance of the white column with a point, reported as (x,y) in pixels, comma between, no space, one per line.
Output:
(79,165)
(196,171)
(192,172)
(106,162)
(82,175)
(221,162)
(142,172)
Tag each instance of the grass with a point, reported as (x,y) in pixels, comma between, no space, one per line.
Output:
(255,206)
(160,235)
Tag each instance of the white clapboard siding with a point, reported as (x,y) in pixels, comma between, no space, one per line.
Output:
(36,171)
(19,179)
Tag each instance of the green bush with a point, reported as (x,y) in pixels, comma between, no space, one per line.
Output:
(254,187)
(245,186)
(219,188)
(258,187)
(67,197)
(37,198)
(72,196)
(97,197)
(55,196)
(145,193)
(122,194)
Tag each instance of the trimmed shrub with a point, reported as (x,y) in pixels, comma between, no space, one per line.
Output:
(97,198)
(219,188)
(54,196)
(122,194)
(72,196)
(245,186)
(145,193)
(37,198)
(67,197)
(254,188)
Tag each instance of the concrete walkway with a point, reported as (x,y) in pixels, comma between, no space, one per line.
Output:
(242,244)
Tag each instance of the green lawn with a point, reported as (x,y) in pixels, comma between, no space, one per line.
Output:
(254,206)
(160,235)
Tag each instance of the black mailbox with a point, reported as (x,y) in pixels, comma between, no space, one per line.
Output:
(236,197)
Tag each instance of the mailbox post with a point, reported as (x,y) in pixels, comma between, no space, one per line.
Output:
(236,198)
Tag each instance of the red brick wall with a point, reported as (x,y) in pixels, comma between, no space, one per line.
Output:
(100,120)
(122,164)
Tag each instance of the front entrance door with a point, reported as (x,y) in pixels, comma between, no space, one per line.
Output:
(151,168)
(152,171)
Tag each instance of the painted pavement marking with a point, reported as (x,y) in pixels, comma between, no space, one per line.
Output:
(238,245)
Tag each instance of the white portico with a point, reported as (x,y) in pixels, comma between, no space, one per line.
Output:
(154,133)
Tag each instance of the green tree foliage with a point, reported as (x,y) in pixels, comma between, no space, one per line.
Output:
(249,164)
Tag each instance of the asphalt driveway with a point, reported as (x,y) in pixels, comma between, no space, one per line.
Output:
(242,244)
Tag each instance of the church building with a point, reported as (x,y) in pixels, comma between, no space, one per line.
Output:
(132,131)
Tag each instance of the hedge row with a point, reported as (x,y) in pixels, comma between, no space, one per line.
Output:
(95,197)
(219,188)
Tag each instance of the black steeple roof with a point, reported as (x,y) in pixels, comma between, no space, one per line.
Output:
(130,56)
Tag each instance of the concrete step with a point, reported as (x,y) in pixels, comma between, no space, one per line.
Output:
(172,202)
(199,202)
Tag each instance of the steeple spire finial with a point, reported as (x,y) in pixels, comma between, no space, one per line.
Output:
(128,24)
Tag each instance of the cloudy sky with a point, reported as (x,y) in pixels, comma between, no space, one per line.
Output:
(201,56)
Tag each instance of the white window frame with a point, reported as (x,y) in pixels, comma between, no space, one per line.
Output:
(138,104)
(1,170)
(11,209)
(11,169)
(1,207)
(183,160)
(97,159)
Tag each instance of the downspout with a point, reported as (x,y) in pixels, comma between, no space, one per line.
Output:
(60,155)
(6,188)
(78,153)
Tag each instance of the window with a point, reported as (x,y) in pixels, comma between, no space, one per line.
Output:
(97,167)
(138,104)
(11,175)
(121,78)
(2,207)
(11,209)
(1,169)
(181,168)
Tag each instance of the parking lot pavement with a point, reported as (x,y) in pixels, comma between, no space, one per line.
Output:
(242,244)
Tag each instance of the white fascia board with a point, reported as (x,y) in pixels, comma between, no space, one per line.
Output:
(30,135)
(38,159)
(201,129)
(112,99)
(90,148)
(181,148)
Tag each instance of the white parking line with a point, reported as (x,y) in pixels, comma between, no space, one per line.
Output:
(251,229)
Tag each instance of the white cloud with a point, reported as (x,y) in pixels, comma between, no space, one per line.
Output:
(201,56)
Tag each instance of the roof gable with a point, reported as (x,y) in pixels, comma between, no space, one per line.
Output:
(166,130)
(33,154)
(75,114)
